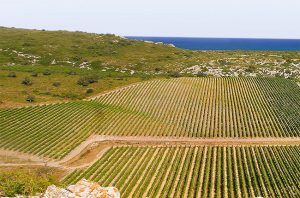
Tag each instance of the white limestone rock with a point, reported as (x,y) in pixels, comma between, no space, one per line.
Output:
(83,188)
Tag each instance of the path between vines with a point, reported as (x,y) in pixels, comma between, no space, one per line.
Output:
(141,141)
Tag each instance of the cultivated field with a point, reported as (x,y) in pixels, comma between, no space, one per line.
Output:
(151,119)
(197,171)
(182,107)
(205,107)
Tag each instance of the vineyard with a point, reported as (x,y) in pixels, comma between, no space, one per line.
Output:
(149,119)
(48,130)
(206,107)
(180,107)
(204,171)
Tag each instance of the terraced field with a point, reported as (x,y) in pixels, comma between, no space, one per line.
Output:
(201,171)
(182,107)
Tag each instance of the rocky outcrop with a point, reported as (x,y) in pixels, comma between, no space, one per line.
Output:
(83,188)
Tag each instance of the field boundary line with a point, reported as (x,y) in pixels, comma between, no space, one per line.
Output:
(152,140)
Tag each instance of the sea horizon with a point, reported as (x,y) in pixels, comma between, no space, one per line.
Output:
(211,43)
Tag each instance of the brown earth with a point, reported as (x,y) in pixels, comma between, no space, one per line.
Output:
(96,145)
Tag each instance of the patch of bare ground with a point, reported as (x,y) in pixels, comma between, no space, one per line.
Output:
(91,149)
(156,140)
(88,155)
(8,156)
(12,160)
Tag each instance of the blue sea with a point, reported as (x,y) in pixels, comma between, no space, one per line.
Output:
(227,43)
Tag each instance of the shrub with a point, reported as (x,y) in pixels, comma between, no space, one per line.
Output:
(25,182)
(226,70)
(92,79)
(76,58)
(119,78)
(34,74)
(30,98)
(201,74)
(26,44)
(222,62)
(12,74)
(71,73)
(204,69)
(71,95)
(157,69)
(26,81)
(90,90)
(82,81)
(47,73)
(56,84)
(46,60)
(174,74)
(288,71)
(86,80)
(250,69)
(96,64)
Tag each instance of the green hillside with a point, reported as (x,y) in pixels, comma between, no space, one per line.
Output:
(54,61)
(74,48)
(98,51)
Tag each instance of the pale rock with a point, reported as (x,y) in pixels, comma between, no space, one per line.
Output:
(83,188)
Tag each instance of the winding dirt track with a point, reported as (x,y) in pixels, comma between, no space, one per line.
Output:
(145,140)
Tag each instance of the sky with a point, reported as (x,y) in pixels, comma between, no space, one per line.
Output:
(179,18)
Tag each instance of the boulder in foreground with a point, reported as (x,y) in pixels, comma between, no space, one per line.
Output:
(83,188)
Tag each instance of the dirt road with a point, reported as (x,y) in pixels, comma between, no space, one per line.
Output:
(148,140)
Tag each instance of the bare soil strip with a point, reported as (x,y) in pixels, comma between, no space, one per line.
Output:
(22,156)
(145,140)
(142,140)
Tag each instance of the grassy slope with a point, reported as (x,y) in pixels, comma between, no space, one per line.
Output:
(13,93)
(45,46)
(99,50)
(112,51)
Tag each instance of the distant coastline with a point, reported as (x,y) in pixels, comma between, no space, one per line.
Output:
(226,43)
